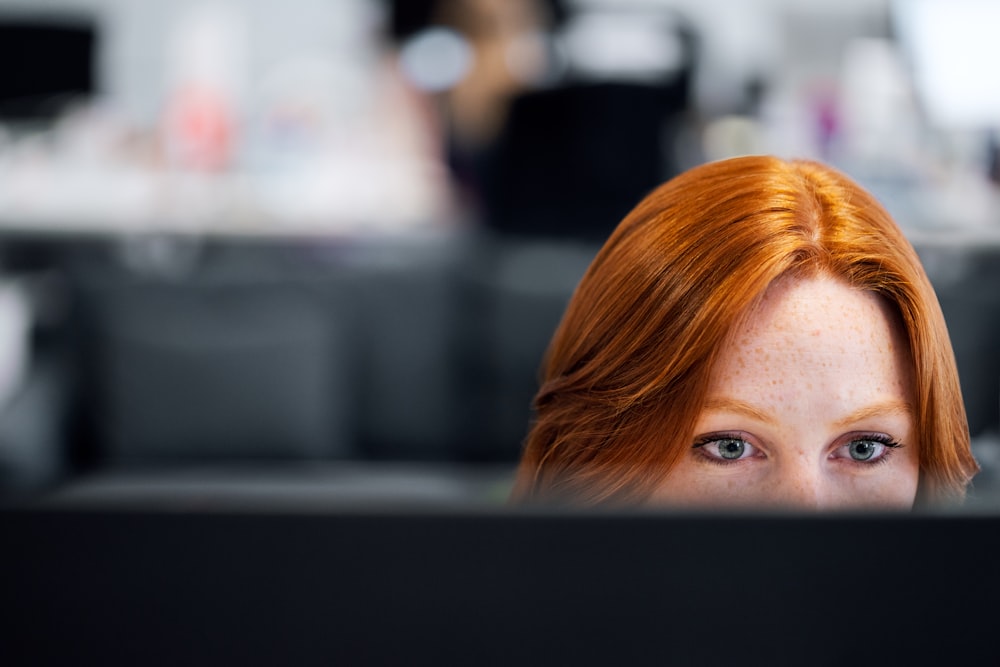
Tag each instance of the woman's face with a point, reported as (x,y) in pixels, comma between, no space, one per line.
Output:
(809,406)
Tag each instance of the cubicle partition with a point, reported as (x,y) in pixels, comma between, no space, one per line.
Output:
(215,359)
(231,356)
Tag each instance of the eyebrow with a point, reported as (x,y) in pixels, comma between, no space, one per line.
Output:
(892,407)
(723,404)
(878,410)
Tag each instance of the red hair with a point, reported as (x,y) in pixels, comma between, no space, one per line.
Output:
(627,371)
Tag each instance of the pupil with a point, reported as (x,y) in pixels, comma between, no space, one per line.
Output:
(862,450)
(731,449)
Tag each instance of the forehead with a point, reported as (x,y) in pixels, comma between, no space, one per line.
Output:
(794,302)
(818,328)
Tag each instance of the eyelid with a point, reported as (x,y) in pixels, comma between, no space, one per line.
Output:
(874,436)
(708,438)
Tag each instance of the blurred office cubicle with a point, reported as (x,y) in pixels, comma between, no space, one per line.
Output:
(314,250)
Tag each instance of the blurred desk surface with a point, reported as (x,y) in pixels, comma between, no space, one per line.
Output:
(291,486)
(336,200)
(359,198)
(987,239)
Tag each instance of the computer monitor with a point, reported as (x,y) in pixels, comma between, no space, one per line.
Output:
(45,64)
(494,587)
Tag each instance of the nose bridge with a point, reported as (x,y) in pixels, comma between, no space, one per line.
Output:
(800,482)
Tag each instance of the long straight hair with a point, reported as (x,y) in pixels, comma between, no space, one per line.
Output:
(626,374)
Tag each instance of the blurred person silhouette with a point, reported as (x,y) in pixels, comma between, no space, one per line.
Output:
(545,105)
(573,157)
(756,333)
(473,57)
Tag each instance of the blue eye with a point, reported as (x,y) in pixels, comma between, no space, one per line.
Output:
(863,450)
(724,448)
(731,448)
(868,449)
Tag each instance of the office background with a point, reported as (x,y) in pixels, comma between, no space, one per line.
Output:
(312,252)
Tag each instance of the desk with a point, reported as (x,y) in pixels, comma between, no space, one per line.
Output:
(335,198)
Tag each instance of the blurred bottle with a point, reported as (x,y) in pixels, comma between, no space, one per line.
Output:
(207,70)
(199,129)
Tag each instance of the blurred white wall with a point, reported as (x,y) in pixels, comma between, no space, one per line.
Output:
(781,76)
(137,38)
(291,92)
(742,38)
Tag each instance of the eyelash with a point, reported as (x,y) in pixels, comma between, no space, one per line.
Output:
(886,441)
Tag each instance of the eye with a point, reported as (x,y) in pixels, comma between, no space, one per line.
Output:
(867,449)
(724,448)
(731,448)
(862,450)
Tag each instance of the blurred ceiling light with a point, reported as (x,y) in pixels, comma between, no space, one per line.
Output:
(623,44)
(436,59)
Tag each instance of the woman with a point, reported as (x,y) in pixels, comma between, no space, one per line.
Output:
(756,332)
